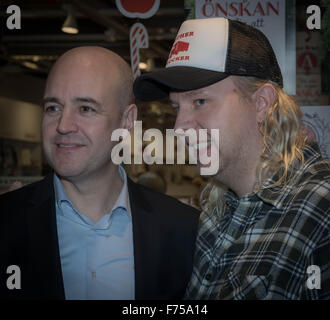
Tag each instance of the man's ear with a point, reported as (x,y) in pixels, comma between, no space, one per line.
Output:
(129,116)
(264,99)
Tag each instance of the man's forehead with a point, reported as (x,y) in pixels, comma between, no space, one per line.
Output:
(69,93)
(76,71)
(221,87)
(189,93)
(81,81)
(82,99)
(99,69)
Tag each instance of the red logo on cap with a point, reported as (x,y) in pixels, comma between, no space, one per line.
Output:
(179,46)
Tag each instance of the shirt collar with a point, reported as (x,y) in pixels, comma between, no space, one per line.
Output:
(121,202)
(278,196)
(123,199)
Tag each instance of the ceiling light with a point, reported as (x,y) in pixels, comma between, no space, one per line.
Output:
(30,65)
(143,65)
(70,23)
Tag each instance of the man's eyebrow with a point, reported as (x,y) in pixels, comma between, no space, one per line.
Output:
(86,99)
(89,100)
(51,99)
(191,93)
(196,92)
(78,99)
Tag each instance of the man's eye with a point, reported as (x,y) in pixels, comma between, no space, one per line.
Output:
(86,109)
(51,109)
(200,102)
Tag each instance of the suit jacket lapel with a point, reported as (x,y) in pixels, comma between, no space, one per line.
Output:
(43,240)
(146,244)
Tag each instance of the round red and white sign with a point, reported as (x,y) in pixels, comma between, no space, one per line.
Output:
(138,9)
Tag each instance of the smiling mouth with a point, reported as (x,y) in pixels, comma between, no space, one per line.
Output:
(68,145)
(202,145)
(199,146)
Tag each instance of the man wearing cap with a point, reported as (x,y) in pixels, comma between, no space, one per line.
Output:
(265,228)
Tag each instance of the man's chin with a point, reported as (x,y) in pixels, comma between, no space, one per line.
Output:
(67,173)
(206,170)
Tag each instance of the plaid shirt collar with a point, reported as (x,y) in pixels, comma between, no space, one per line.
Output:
(277,196)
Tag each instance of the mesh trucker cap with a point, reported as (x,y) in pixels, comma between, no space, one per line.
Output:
(206,51)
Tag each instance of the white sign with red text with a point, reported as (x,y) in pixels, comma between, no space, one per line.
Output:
(268,16)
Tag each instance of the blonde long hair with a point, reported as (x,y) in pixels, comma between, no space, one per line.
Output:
(283,141)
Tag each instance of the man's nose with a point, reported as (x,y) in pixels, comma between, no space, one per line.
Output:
(184,120)
(67,122)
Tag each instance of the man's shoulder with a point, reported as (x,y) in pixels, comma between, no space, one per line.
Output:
(309,195)
(319,170)
(315,168)
(316,177)
(25,195)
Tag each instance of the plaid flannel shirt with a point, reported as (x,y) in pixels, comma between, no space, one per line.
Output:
(267,244)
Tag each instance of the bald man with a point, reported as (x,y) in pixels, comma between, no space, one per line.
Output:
(87,231)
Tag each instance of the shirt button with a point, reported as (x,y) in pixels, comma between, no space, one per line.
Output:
(208,277)
(93,274)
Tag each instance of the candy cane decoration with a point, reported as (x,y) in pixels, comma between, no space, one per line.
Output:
(138,39)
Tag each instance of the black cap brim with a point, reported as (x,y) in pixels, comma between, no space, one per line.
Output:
(157,85)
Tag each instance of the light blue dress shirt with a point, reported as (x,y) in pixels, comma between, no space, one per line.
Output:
(97,259)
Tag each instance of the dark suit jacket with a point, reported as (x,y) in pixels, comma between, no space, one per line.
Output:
(164,233)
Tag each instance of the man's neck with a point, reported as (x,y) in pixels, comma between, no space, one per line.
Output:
(242,178)
(94,196)
(240,183)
